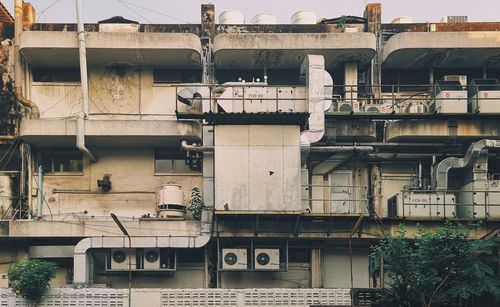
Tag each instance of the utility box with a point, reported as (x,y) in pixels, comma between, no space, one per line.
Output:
(257,168)
(484,96)
(422,204)
(449,97)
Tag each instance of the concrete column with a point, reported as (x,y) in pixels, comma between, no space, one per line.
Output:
(316,269)
(351,84)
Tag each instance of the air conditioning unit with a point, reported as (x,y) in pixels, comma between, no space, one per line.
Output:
(347,106)
(372,108)
(484,96)
(151,259)
(449,97)
(4,281)
(389,107)
(267,259)
(416,108)
(234,259)
(422,205)
(120,260)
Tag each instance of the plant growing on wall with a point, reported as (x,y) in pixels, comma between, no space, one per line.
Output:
(434,267)
(342,21)
(31,278)
(196,204)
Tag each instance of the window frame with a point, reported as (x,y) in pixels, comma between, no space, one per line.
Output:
(52,152)
(180,173)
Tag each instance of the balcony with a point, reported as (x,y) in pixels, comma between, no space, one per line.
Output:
(287,50)
(109,132)
(335,200)
(56,49)
(410,50)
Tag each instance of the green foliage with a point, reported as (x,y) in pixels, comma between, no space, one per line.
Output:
(196,204)
(444,265)
(342,21)
(31,278)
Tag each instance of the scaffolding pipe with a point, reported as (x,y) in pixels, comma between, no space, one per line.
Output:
(18,69)
(39,205)
(80,122)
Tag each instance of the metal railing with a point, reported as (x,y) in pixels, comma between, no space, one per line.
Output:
(335,199)
(446,204)
(247,97)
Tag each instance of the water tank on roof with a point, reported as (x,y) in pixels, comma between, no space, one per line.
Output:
(402,19)
(264,19)
(304,17)
(231,17)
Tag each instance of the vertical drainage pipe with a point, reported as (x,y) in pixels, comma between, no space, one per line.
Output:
(39,206)
(80,121)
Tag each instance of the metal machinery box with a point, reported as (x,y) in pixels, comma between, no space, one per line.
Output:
(449,97)
(422,204)
(479,199)
(484,96)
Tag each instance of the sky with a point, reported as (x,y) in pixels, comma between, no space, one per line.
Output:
(188,11)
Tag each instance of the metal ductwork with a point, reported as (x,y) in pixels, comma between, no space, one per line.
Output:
(440,172)
(317,81)
(195,147)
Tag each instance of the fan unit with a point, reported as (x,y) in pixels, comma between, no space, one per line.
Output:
(151,259)
(267,259)
(120,260)
(372,108)
(234,259)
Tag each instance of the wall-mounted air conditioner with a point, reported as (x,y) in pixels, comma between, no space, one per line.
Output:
(234,259)
(151,259)
(120,260)
(347,106)
(372,108)
(267,259)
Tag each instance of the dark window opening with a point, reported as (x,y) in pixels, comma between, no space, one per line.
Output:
(61,160)
(166,75)
(409,80)
(190,256)
(299,255)
(171,161)
(56,75)
(9,159)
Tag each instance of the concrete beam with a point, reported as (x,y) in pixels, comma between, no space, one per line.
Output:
(60,49)
(442,49)
(287,50)
(110,132)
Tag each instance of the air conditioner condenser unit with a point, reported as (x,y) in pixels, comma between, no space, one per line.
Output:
(267,259)
(234,259)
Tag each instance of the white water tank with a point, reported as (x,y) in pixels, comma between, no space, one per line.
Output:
(402,19)
(231,17)
(304,17)
(171,203)
(264,19)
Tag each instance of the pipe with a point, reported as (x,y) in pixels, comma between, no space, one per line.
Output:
(195,147)
(420,180)
(80,124)
(333,149)
(18,70)
(475,150)
(39,205)
(81,265)
(313,68)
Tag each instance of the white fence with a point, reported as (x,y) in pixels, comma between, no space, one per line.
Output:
(185,297)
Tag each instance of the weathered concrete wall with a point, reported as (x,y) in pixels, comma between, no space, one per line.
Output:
(337,269)
(298,275)
(134,186)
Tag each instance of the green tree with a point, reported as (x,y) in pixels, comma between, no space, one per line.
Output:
(444,265)
(31,278)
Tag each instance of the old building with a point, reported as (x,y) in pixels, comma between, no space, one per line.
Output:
(242,156)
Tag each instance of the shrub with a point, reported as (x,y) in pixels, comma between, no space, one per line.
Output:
(31,278)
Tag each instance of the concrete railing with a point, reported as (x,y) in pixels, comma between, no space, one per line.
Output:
(185,297)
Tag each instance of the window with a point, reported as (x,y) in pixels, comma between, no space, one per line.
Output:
(9,158)
(61,161)
(171,161)
(56,75)
(176,75)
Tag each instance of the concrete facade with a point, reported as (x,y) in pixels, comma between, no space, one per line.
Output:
(307,143)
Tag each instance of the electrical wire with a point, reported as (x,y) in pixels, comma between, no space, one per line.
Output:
(45,9)
(153,11)
(134,11)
